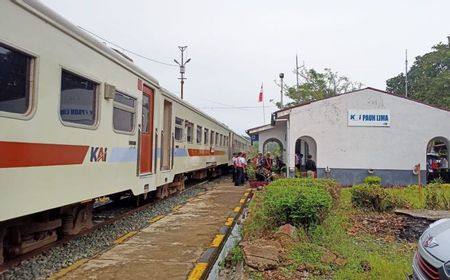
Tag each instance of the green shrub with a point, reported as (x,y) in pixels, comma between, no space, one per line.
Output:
(251,173)
(329,185)
(372,180)
(436,198)
(375,198)
(298,202)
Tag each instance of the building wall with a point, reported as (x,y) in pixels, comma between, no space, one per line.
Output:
(389,151)
(277,132)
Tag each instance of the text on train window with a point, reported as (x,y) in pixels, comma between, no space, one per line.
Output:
(124,112)
(78,99)
(15,81)
(179,129)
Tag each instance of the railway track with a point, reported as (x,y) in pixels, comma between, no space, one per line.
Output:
(105,214)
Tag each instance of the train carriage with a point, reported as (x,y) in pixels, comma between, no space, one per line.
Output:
(80,121)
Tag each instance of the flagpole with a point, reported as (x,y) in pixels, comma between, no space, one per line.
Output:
(264,113)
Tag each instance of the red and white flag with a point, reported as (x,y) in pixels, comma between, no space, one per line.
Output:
(260,98)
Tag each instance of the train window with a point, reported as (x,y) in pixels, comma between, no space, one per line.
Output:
(206,135)
(221,140)
(15,80)
(78,99)
(179,129)
(199,134)
(217,139)
(212,138)
(189,131)
(145,113)
(124,112)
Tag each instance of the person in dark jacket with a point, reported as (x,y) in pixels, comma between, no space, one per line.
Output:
(310,166)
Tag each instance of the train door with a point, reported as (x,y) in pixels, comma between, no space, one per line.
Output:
(166,136)
(146,135)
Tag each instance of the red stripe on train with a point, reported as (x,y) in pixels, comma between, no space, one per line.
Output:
(200,152)
(18,154)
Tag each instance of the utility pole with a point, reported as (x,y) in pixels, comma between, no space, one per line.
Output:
(281,88)
(406,72)
(182,67)
(296,70)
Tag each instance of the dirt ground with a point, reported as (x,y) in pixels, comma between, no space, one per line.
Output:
(389,226)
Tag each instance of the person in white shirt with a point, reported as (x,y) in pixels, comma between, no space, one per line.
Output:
(234,171)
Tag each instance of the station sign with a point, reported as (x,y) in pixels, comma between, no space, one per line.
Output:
(255,137)
(375,117)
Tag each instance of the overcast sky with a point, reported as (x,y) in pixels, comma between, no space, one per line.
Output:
(237,45)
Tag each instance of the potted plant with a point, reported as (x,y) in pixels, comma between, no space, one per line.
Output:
(251,175)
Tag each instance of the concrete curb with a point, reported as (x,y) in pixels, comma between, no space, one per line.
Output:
(208,258)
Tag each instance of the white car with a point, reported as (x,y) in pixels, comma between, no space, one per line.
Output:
(432,258)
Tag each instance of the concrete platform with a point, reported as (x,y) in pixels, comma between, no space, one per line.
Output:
(169,248)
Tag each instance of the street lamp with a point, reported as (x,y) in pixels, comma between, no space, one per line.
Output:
(281,88)
(182,67)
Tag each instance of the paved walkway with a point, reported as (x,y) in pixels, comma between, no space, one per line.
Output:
(169,248)
(432,215)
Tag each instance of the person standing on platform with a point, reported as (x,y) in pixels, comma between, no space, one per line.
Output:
(234,171)
(243,162)
(310,167)
(297,160)
(239,170)
(269,162)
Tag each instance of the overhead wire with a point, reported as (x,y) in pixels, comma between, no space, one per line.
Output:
(127,50)
(172,65)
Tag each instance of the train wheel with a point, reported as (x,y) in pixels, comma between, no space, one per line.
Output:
(77,218)
(23,236)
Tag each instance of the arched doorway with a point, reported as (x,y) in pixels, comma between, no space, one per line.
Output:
(437,159)
(305,146)
(273,146)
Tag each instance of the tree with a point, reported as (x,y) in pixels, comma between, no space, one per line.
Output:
(428,78)
(316,85)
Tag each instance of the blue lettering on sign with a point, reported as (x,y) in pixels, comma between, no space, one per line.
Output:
(371,118)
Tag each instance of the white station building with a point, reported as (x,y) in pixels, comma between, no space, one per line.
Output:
(360,133)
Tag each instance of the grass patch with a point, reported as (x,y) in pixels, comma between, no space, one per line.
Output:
(416,200)
(387,260)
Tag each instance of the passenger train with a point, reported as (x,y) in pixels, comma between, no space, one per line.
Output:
(79,121)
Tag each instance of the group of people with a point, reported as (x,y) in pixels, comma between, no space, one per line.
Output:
(433,164)
(239,167)
(263,166)
(309,166)
(437,168)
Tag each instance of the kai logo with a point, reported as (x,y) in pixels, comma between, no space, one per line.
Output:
(98,154)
